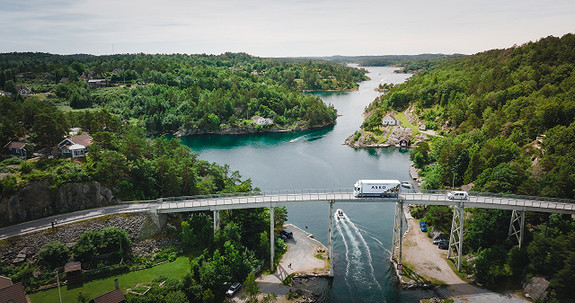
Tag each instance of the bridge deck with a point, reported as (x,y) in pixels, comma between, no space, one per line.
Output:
(184,204)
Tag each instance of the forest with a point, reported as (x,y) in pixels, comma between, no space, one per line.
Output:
(505,120)
(185,94)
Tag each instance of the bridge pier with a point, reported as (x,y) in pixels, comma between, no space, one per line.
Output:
(517,216)
(456,235)
(216,221)
(158,218)
(272,238)
(330,239)
(397,234)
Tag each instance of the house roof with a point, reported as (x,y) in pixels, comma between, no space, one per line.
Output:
(84,140)
(72,266)
(114,296)
(14,293)
(390,116)
(15,145)
(5,282)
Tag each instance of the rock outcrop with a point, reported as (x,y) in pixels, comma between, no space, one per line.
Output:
(37,200)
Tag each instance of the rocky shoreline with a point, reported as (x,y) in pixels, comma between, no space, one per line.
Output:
(250,130)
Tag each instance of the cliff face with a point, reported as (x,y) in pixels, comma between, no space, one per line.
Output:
(37,200)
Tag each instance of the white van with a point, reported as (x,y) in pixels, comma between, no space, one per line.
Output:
(457,195)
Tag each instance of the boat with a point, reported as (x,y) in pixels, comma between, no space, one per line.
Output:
(340,215)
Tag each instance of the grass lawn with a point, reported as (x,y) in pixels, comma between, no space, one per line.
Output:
(99,287)
(401,117)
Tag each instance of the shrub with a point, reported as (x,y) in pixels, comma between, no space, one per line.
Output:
(54,254)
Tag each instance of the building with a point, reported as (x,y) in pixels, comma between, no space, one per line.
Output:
(262,121)
(73,272)
(114,296)
(76,146)
(16,149)
(23,90)
(404,142)
(95,83)
(12,293)
(389,120)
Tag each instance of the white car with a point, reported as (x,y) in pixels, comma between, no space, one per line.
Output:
(457,195)
(233,289)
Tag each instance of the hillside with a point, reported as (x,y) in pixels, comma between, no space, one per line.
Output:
(185,94)
(507,115)
(505,120)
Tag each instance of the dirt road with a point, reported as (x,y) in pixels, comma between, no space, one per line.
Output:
(430,262)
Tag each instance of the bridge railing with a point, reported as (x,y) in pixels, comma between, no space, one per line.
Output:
(252,193)
(521,197)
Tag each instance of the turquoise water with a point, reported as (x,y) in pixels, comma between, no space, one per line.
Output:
(317,159)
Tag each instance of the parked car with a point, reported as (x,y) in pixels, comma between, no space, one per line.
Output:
(233,289)
(457,195)
(438,239)
(286,234)
(443,244)
(423,226)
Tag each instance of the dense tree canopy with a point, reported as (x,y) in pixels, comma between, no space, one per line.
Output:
(187,93)
(507,123)
(507,115)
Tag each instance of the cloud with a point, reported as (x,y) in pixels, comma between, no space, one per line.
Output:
(278,27)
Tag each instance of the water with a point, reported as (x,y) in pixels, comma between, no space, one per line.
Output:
(317,159)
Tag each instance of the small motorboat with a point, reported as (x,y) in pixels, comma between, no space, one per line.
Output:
(340,215)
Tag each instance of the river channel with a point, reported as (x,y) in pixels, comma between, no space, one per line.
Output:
(317,159)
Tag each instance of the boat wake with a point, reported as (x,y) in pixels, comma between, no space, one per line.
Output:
(359,273)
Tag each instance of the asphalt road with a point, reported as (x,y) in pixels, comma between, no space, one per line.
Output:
(45,223)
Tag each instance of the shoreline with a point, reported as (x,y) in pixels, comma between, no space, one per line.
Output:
(249,131)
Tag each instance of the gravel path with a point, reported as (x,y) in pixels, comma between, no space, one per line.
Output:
(430,261)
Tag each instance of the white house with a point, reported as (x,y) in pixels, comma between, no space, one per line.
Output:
(76,146)
(389,120)
(262,121)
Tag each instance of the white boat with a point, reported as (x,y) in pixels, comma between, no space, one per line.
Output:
(340,215)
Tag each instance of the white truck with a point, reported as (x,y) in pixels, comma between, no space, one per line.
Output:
(376,188)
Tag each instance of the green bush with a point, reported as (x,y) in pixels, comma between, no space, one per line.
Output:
(54,254)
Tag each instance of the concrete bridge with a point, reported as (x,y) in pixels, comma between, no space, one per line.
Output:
(160,207)
(517,204)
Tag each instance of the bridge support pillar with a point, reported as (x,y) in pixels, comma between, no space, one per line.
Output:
(517,217)
(216,221)
(397,234)
(158,218)
(330,240)
(456,235)
(272,239)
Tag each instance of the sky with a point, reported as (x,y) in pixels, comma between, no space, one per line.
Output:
(279,28)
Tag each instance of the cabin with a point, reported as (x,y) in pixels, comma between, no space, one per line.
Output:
(12,293)
(95,83)
(389,120)
(16,149)
(404,142)
(114,296)
(76,146)
(262,121)
(23,90)
(73,272)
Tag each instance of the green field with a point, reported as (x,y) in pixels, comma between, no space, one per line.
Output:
(99,287)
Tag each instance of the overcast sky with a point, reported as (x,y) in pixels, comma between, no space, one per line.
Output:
(279,28)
